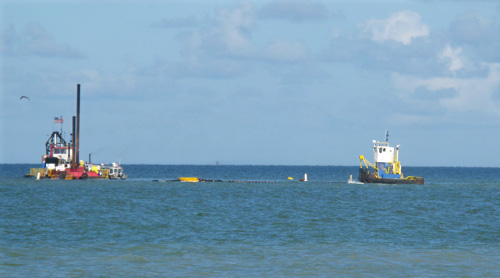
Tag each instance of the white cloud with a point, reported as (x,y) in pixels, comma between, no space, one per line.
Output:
(178,22)
(402,27)
(452,57)
(335,33)
(280,50)
(231,28)
(474,27)
(224,46)
(228,35)
(473,94)
(294,10)
(35,40)
(479,33)
(217,48)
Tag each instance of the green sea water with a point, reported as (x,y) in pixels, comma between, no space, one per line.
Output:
(263,226)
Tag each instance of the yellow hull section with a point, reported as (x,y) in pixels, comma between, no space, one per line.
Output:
(189,179)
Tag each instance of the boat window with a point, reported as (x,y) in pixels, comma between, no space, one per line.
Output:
(380,150)
(59,151)
(52,160)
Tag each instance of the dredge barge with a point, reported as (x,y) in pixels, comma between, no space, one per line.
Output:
(387,168)
(61,159)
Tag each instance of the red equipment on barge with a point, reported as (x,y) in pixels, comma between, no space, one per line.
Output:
(61,159)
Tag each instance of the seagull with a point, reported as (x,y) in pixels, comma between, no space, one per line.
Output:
(24,97)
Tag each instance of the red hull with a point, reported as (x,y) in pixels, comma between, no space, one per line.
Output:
(80,173)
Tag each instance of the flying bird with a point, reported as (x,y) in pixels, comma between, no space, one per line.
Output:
(24,97)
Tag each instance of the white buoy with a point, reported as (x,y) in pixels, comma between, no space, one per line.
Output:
(38,176)
(305,177)
(350,180)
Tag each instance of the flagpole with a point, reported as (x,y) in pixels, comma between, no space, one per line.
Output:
(58,120)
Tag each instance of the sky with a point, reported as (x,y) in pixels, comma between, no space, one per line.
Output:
(253,82)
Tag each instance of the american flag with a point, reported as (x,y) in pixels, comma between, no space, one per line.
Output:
(58,120)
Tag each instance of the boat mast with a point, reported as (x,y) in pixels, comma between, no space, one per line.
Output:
(61,121)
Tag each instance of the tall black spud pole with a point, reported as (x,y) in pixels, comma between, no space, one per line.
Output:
(73,149)
(77,123)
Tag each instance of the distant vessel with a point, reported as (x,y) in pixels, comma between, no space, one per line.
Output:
(61,159)
(387,168)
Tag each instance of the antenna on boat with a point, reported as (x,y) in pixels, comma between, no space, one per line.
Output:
(387,136)
(62,121)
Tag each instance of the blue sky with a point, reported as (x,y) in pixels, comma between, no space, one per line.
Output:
(253,82)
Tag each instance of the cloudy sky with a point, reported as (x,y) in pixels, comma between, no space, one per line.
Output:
(253,82)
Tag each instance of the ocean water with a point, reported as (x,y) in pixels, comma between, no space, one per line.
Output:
(264,225)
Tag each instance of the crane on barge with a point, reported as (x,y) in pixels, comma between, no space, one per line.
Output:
(61,159)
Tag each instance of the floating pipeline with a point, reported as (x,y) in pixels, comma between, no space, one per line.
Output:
(247,181)
(256,181)
(193,179)
(189,179)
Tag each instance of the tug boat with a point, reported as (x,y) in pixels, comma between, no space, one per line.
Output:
(387,168)
(61,158)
